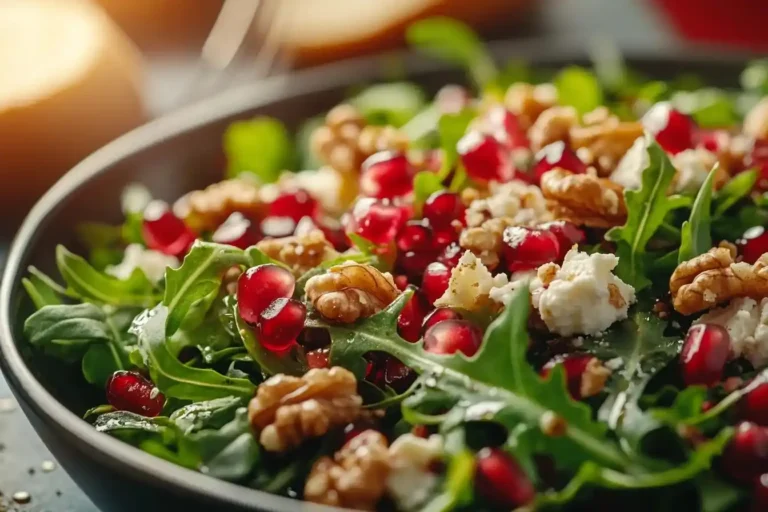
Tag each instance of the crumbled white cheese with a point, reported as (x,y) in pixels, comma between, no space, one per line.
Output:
(502,294)
(747,324)
(410,483)
(693,166)
(583,296)
(152,263)
(629,170)
(470,284)
(519,201)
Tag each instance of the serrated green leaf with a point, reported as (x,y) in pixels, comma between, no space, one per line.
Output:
(261,146)
(578,87)
(734,190)
(696,233)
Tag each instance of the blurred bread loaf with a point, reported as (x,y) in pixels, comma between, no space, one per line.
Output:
(70,81)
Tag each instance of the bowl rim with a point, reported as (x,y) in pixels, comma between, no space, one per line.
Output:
(116,453)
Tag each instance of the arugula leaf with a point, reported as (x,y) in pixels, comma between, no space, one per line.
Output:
(455,42)
(42,290)
(173,378)
(291,363)
(260,146)
(85,322)
(458,483)
(579,88)
(646,209)
(734,190)
(209,414)
(101,360)
(425,183)
(392,103)
(88,284)
(696,231)
(718,495)
(451,128)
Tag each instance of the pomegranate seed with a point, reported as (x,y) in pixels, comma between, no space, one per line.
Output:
(439,315)
(746,456)
(567,235)
(401,281)
(450,256)
(760,494)
(318,358)
(258,286)
(413,263)
(500,479)
(353,430)
(397,375)
(753,244)
(451,336)
(281,323)
(754,405)
(705,352)
(294,205)
(331,228)
(442,208)
(377,221)
(673,129)
(277,227)
(758,158)
(129,391)
(575,366)
(445,237)
(421,431)
(386,174)
(484,157)
(435,281)
(237,231)
(415,236)
(505,126)
(411,317)
(452,99)
(528,248)
(165,232)
(712,140)
(555,155)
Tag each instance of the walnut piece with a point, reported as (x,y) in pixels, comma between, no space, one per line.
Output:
(713,277)
(554,124)
(527,101)
(355,477)
(593,379)
(756,120)
(286,410)
(205,210)
(381,138)
(351,291)
(584,199)
(300,252)
(606,138)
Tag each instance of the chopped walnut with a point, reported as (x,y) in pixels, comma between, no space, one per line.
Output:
(593,379)
(606,138)
(554,124)
(484,243)
(713,277)
(381,138)
(336,142)
(351,291)
(584,199)
(355,477)
(528,101)
(229,280)
(286,410)
(205,210)
(756,121)
(300,252)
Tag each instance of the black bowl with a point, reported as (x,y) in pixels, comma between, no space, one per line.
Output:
(171,156)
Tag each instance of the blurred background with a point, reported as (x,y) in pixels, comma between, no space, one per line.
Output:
(75,74)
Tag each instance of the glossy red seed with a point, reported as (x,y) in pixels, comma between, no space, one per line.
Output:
(130,391)
(377,221)
(506,128)
(746,455)
(758,159)
(452,99)
(754,405)
(258,286)
(401,281)
(444,237)
(414,263)
(439,315)
(411,317)
(165,232)
(442,208)
(397,375)
(281,323)
(450,256)
(386,174)
(554,155)
(567,235)
(484,157)
(435,281)
(753,244)
(415,236)
(673,129)
(318,358)
(575,365)
(451,336)
(277,227)
(528,248)
(294,205)
(500,480)
(705,351)
(760,494)
(237,231)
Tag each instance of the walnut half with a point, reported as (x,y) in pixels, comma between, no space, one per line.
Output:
(300,252)
(584,199)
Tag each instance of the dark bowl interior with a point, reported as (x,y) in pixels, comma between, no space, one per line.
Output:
(172,156)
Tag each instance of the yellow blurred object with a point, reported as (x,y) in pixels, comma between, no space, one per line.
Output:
(70,81)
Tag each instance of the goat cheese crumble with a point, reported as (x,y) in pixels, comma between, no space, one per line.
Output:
(470,284)
(746,321)
(152,263)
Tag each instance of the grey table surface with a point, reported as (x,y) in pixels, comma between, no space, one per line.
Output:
(26,466)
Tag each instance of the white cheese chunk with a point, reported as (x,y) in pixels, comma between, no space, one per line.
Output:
(470,284)
(152,263)
(747,324)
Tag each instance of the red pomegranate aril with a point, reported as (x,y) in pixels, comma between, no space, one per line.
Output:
(442,238)
(413,263)
(281,323)
(294,204)
(760,494)
(575,366)
(331,228)
(414,236)
(386,174)
(673,129)
(318,358)
(500,480)
(397,375)
(237,231)
(130,391)
(277,227)
(567,235)
(451,336)
(450,256)
(401,281)
(439,315)
(528,248)
(705,351)
(411,317)
(754,405)
(258,286)
(746,455)
(452,99)
(377,221)
(435,281)
(442,208)
(758,158)
(557,154)
(505,126)
(484,157)
(753,244)
(165,232)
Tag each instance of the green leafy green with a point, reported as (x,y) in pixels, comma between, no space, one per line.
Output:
(209,414)
(101,360)
(646,209)
(578,88)
(261,146)
(451,128)
(393,103)
(455,42)
(457,488)
(734,190)
(42,289)
(696,231)
(425,183)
